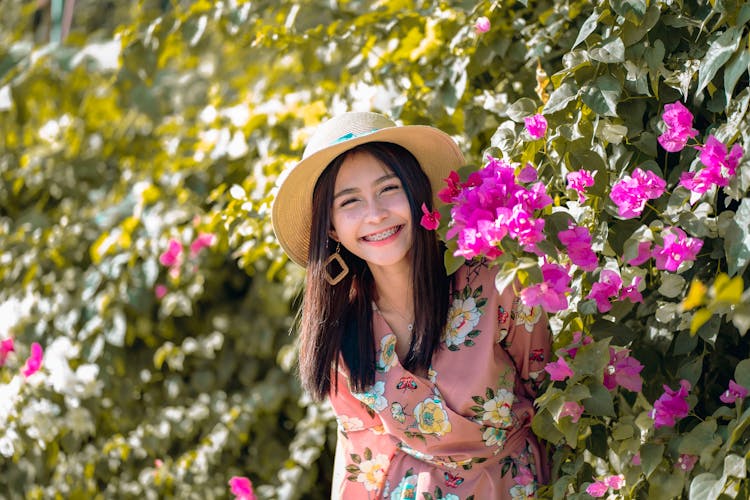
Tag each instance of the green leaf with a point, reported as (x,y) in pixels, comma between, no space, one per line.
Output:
(651,457)
(596,442)
(734,466)
(719,52)
(737,239)
(600,403)
(742,373)
(664,485)
(588,27)
(561,97)
(591,360)
(612,51)
(602,95)
(705,485)
(738,65)
(632,10)
(701,441)
(521,108)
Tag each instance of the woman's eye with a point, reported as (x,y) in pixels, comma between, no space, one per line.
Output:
(391,187)
(348,201)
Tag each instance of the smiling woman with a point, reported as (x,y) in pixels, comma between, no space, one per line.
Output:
(432,380)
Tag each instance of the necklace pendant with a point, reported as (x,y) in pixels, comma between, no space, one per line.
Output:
(410,327)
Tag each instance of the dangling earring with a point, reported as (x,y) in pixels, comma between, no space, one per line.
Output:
(334,280)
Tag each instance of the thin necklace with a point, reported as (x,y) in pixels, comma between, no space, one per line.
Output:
(409,324)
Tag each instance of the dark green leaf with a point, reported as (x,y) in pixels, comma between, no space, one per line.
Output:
(719,52)
(602,95)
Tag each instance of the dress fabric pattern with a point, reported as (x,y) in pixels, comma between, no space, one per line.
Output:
(463,432)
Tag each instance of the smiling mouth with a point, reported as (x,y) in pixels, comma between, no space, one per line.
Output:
(383,235)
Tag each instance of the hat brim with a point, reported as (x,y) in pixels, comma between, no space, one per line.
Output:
(436,152)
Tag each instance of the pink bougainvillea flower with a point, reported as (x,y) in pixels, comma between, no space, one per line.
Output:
(686,462)
(6,347)
(536,126)
(558,370)
(615,481)
(550,293)
(158,462)
(597,489)
(160,291)
(644,253)
(528,174)
(34,361)
(171,256)
(449,193)
(678,247)
(679,122)
(203,240)
(430,220)
(608,286)
(720,166)
(482,25)
(623,370)
(577,241)
(580,180)
(571,409)
(636,460)
(631,292)
(631,192)
(735,392)
(671,406)
(242,488)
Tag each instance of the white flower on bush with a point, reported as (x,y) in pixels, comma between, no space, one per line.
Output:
(82,383)
(8,397)
(7,440)
(39,417)
(79,422)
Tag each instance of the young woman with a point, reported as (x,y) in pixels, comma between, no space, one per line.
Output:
(432,377)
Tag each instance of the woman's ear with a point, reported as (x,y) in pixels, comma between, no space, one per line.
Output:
(332,234)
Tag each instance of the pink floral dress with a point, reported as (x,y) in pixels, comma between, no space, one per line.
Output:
(464,431)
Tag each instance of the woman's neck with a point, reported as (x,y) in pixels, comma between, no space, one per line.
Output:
(394,291)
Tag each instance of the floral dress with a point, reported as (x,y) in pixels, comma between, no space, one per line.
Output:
(464,431)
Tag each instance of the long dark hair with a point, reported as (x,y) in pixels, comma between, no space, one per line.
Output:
(337,320)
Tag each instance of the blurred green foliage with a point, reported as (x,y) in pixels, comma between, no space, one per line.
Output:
(161,120)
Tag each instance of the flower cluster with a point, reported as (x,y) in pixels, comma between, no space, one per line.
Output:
(599,488)
(550,293)
(536,126)
(733,393)
(492,204)
(32,364)
(720,166)
(679,122)
(578,181)
(631,193)
(671,406)
(610,287)
(242,488)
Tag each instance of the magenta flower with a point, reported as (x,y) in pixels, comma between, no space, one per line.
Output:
(631,292)
(686,462)
(735,392)
(550,293)
(577,241)
(528,174)
(536,126)
(636,460)
(160,291)
(608,286)
(677,248)
(453,189)
(34,362)
(242,488)
(171,256)
(720,166)
(558,370)
(482,25)
(430,220)
(524,476)
(597,489)
(571,409)
(671,406)
(623,370)
(580,180)
(6,347)
(527,229)
(203,240)
(631,192)
(615,481)
(679,122)
(644,253)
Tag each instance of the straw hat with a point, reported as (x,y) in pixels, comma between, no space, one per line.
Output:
(436,152)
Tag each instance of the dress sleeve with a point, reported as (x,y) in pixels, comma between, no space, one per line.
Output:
(528,343)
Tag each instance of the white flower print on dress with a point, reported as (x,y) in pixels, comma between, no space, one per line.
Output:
(498,409)
(349,424)
(528,316)
(372,472)
(373,396)
(463,318)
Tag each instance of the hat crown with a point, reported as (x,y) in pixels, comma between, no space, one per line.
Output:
(346,126)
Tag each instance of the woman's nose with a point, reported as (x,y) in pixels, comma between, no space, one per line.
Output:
(376,211)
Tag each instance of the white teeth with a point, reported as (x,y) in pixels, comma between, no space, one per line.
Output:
(383,235)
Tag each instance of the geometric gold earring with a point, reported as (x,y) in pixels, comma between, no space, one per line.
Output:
(334,280)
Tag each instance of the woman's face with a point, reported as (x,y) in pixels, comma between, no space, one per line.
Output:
(371,214)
